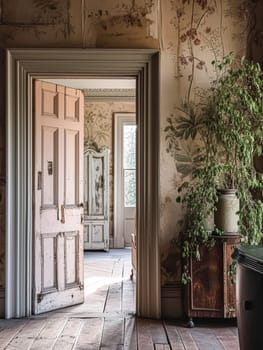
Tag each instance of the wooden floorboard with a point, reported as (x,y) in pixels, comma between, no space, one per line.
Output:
(204,342)
(27,335)
(158,332)
(9,329)
(187,339)
(227,338)
(162,347)
(106,320)
(130,333)
(113,334)
(90,334)
(69,335)
(49,334)
(145,341)
(173,336)
(114,296)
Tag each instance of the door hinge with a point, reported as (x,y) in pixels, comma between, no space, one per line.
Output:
(81,286)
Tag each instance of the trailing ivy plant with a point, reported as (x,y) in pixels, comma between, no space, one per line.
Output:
(229,130)
(236,128)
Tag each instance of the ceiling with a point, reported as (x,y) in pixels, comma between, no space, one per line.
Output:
(95,83)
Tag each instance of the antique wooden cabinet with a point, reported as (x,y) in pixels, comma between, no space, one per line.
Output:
(96,199)
(211,292)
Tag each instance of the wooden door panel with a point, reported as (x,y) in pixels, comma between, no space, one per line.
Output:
(71,167)
(50,104)
(49,262)
(72,106)
(86,236)
(52,97)
(71,258)
(58,269)
(49,166)
(96,235)
(59,299)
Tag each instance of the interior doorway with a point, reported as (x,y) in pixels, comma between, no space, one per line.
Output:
(25,65)
(62,109)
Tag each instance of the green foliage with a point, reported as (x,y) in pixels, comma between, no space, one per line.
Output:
(187,125)
(230,129)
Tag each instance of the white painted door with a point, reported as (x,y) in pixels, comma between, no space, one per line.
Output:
(124,179)
(58,194)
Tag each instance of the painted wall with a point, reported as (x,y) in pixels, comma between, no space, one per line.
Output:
(98,127)
(189,35)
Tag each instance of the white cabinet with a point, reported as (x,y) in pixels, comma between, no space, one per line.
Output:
(96,199)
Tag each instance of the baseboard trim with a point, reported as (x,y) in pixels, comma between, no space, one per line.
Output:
(2,302)
(172,301)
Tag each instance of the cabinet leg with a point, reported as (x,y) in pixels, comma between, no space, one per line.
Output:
(131,275)
(190,323)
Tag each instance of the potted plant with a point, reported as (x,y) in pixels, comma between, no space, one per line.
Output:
(230,129)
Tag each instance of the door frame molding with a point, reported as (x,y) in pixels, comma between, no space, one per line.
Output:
(120,119)
(23,65)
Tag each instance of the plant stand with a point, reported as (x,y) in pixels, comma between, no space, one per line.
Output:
(211,292)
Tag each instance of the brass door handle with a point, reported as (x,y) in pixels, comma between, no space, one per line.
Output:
(62,214)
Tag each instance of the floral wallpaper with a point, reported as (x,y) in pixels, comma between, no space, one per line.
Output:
(189,35)
(98,128)
(200,31)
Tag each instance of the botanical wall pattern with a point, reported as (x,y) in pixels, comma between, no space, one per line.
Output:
(36,12)
(98,128)
(189,35)
(205,31)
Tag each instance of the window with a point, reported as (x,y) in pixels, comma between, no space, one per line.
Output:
(129,165)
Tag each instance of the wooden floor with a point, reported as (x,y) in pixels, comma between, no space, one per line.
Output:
(107,321)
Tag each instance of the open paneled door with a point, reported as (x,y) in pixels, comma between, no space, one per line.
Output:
(58,194)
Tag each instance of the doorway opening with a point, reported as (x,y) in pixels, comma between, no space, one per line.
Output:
(25,65)
(125,178)
(62,191)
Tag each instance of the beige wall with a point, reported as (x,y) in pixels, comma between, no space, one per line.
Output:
(98,127)
(189,35)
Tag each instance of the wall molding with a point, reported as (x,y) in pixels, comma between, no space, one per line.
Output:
(112,95)
(23,65)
